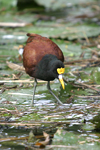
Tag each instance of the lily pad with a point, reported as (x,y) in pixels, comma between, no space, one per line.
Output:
(66,31)
(59,4)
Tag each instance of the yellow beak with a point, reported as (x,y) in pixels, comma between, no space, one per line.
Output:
(61,81)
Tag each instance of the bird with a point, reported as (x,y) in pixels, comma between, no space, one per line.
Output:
(44,60)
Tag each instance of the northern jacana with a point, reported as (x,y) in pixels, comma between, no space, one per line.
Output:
(43,59)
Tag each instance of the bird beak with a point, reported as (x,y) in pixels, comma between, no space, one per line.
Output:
(61,81)
(60,72)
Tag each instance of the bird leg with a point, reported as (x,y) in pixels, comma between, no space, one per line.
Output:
(35,84)
(48,86)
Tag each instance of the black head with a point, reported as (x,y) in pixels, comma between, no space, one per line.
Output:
(53,66)
(49,68)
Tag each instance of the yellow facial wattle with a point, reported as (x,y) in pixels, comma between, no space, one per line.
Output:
(61,70)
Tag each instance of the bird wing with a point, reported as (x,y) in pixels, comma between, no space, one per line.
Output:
(36,48)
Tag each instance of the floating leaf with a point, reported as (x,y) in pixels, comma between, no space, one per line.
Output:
(53,4)
(66,32)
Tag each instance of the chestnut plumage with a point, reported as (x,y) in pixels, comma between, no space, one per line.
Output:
(43,59)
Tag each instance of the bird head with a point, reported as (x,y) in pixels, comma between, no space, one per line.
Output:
(60,71)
